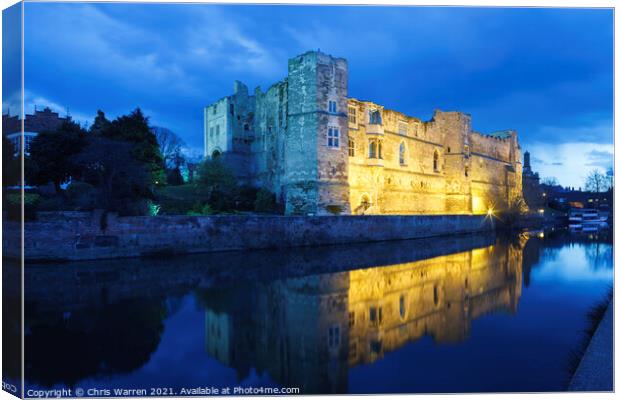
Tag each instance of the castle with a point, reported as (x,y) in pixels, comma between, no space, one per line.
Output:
(323,152)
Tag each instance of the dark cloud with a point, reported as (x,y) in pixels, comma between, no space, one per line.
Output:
(545,72)
(603,159)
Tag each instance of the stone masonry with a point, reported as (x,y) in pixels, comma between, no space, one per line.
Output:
(323,152)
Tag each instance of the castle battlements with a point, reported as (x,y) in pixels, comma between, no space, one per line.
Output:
(321,151)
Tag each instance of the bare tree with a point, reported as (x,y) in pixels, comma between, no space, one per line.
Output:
(549,181)
(596,181)
(170,145)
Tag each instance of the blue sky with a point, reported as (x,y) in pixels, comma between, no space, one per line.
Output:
(547,73)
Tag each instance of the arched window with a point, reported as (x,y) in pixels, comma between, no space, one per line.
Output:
(401,154)
(372,149)
(380,149)
(215,154)
(436,161)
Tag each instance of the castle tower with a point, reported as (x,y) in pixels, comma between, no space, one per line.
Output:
(455,128)
(316,158)
(526,162)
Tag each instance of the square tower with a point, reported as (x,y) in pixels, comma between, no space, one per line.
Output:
(315,153)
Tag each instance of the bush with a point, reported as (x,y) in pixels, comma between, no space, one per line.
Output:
(82,196)
(334,209)
(265,201)
(14,209)
(201,209)
(180,200)
(174,177)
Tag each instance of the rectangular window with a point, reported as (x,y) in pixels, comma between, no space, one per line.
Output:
(211,131)
(402,128)
(232,109)
(333,337)
(372,316)
(214,109)
(217,130)
(333,137)
(351,319)
(351,148)
(353,115)
(332,106)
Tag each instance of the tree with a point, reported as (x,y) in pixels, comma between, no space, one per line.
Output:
(134,128)
(549,181)
(100,125)
(220,183)
(10,163)
(596,182)
(109,165)
(170,146)
(51,154)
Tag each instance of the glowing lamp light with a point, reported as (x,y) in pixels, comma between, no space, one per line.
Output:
(541,210)
(541,235)
(490,212)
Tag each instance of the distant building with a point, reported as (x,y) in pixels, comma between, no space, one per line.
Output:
(321,151)
(533,193)
(40,121)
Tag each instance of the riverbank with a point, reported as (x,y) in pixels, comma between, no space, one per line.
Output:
(595,371)
(64,236)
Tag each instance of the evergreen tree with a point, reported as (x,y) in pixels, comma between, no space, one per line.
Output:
(134,128)
(51,153)
(100,125)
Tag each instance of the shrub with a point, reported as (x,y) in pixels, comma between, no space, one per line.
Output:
(14,209)
(334,209)
(265,201)
(201,209)
(82,196)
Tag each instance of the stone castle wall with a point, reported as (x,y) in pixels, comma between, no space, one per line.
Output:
(79,235)
(385,163)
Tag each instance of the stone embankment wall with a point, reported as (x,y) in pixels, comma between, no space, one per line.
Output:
(82,236)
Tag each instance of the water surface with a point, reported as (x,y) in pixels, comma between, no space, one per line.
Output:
(458,314)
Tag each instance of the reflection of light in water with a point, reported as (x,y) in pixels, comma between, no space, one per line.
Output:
(577,263)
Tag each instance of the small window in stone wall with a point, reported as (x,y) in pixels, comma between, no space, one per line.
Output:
(353,115)
(332,106)
(402,128)
(232,109)
(351,148)
(217,130)
(436,161)
(374,117)
(333,337)
(372,149)
(466,171)
(333,137)
(246,127)
(211,130)
(214,109)
(402,160)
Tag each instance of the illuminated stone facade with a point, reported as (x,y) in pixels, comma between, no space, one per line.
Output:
(308,332)
(322,152)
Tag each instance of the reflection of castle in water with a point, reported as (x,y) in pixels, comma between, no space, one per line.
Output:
(308,331)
